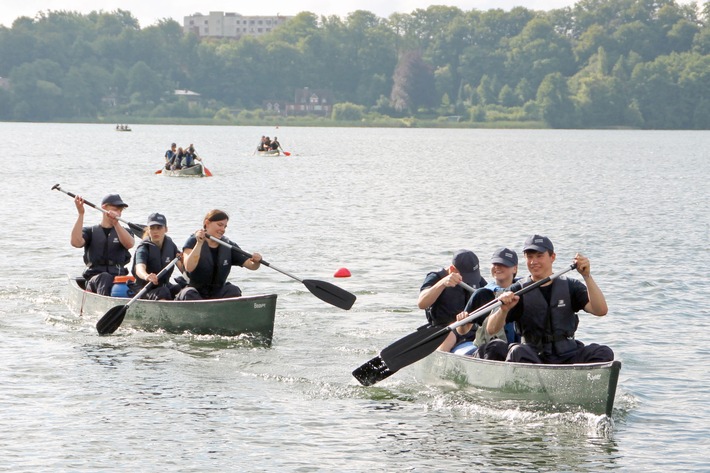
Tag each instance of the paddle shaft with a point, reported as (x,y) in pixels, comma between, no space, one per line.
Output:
(467,287)
(150,285)
(248,255)
(137,229)
(494,304)
(323,290)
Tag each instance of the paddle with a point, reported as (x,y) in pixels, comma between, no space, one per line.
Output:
(112,319)
(137,230)
(286,153)
(426,340)
(207,172)
(158,171)
(324,291)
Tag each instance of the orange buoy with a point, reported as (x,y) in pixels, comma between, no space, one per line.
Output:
(342,273)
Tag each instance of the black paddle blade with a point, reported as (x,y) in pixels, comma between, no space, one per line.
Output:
(401,353)
(372,372)
(111,320)
(330,293)
(136,229)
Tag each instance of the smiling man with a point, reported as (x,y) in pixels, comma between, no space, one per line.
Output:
(547,316)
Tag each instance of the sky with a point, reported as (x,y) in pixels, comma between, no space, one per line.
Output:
(149,11)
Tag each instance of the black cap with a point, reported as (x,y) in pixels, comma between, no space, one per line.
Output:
(538,243)
(113,199)
(505,256)
(467,264)
(157,219)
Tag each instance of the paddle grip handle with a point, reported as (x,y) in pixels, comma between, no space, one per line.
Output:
(70,194)
(137,229)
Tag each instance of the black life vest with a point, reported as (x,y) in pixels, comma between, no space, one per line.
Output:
(158,258)
(210,275)
(550,327)
(450,302)
(105,253)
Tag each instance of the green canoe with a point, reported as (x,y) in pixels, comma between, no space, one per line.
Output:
(269,152)
(590,387)
(197,170)
(253,315)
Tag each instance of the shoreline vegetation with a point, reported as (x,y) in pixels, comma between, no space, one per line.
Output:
(325,123)
(608,64)
(387,122)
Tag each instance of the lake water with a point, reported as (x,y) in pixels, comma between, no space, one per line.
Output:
(390,205)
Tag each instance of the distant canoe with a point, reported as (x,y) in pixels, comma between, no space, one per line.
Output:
(269,152)
(125,128)
(252,315)
(193,171)
(589,386)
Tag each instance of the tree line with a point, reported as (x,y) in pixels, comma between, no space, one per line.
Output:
(599,63)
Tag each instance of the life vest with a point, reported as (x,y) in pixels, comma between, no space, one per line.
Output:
(210,275)
(511,332)
(105,253)
(450,302)
(158,258)
(550,327)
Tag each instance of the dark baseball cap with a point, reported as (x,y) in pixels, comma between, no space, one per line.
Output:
(113,199)
(505,256)
(467,264)
(538,243)
(157,219)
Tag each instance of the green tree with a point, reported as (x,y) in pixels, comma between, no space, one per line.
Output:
(655,88)
(486,91)
(602,102)
(37,95)
(556,105)
(538,51)
(347,111)
(506,97)
(145,83)
(83,89)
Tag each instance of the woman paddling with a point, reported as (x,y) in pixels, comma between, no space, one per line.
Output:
(154,252)
(208,263)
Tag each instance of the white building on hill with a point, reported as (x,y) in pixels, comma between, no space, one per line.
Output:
(231,25)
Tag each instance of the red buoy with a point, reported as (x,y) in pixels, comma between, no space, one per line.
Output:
(342,273)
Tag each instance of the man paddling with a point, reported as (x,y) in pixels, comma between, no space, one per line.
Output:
(441,295)
(547,316)
(105,245)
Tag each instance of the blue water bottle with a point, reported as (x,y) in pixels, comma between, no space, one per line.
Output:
(120,286)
